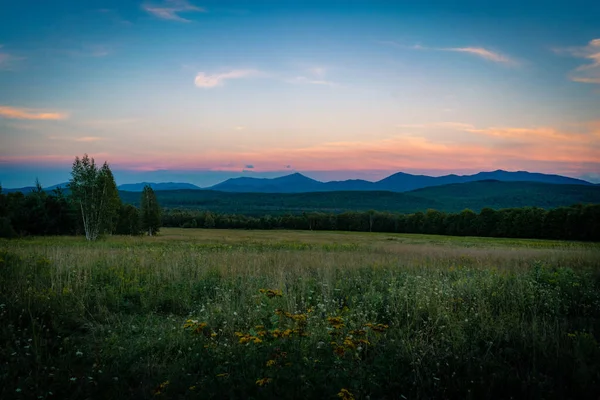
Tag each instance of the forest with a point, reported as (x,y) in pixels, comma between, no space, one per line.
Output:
(55,213)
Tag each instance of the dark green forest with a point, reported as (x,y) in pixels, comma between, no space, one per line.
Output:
(448,198)
(42,213)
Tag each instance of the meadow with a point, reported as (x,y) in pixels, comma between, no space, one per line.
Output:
(237,314)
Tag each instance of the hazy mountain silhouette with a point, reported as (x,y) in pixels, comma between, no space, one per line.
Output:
(398,182)
(139,187)
(298,183)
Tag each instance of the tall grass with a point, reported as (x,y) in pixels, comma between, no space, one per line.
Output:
(374,316)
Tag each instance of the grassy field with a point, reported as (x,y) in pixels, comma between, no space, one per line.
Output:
(283,314)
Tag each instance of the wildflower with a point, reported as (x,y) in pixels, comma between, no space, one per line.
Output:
(349,343)
(192,388)
(271,363)
(379,328)
(339,350)
(247,338)
(224,375)
(286,333)
(344,394)
(161,388)
(263,381)
(79,354)
(336,322)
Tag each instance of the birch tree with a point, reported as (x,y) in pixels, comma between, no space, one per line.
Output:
(90,189)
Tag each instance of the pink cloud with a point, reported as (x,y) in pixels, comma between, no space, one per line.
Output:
(29,114)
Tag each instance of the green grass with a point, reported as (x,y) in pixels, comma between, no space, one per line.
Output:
(466,317)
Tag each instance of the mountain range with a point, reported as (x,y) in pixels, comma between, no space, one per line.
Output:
(450,198)
(399,182)
(298,183)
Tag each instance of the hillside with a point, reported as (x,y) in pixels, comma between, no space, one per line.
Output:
(451,198)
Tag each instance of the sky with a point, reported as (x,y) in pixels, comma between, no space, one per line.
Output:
(200,91)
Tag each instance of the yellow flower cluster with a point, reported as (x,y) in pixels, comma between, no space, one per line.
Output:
(271,292)
(336,322)
(344,394)
(295,317)
(263,381)
(198,327)
(248,338)
(161,388)
(379,328)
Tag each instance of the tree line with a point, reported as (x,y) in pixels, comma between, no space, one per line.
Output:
(91,206)
(577,222)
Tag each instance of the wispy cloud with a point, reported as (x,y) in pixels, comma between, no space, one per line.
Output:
(99,123)
(483,53)
(204,80)
(171,9)
(30,114)
(588,132)
(317,76)
(586,73)
(86,139)
(318,71)
(304,79)
(476,51)
(7,60)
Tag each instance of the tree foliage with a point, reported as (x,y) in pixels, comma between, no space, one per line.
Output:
(150,211)
(92,193)
(578,222)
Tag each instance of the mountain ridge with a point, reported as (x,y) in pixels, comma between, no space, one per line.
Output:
(398,182)
(298,183)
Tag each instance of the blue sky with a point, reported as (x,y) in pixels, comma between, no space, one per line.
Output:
(202,91)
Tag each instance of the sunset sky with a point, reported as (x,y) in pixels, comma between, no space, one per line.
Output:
(199,91)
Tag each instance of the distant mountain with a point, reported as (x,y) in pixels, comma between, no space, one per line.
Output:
(294,183)
(28,189)
(298,183)
(450,198)
(399,182)
(139,187)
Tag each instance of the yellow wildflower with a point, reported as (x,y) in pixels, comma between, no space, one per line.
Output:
(344,394)
(270,363)
(349,343)
(336,322)
(263,381)
(339,350)
(161,388)
(377,327)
